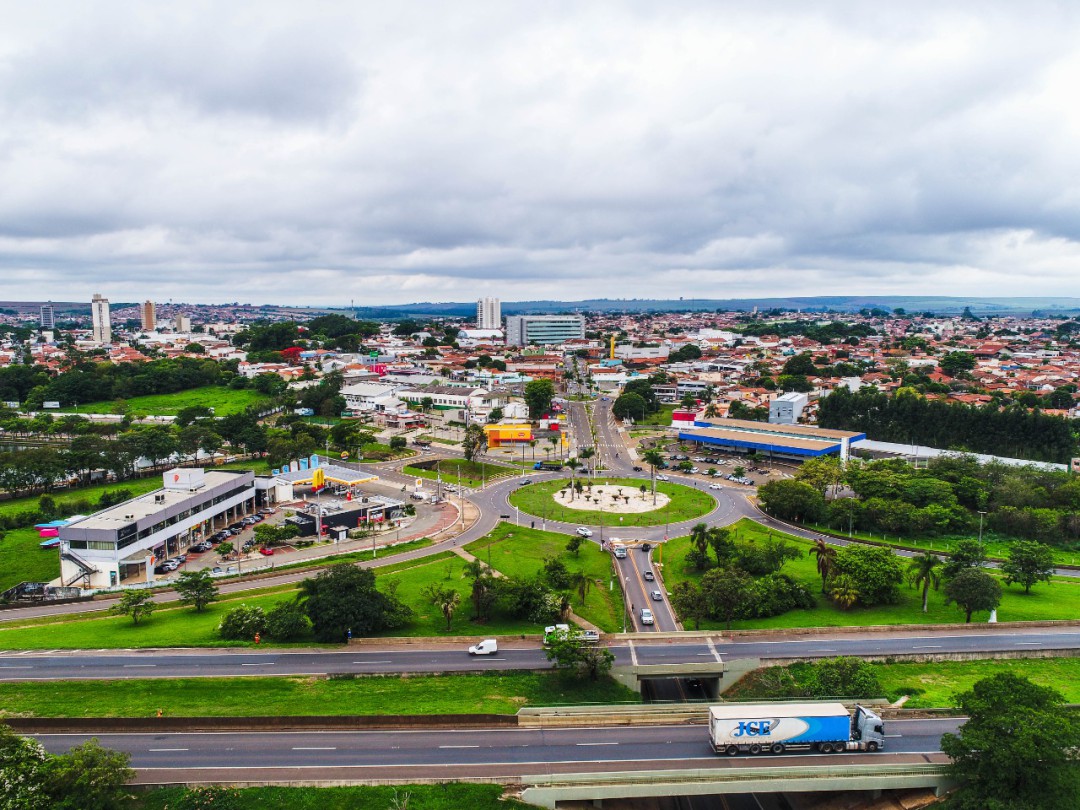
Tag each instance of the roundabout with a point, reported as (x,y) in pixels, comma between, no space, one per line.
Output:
(612,502)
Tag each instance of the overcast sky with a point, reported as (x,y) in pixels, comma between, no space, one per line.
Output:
(317,153)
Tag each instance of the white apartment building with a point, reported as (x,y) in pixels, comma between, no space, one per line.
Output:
(489,313)
(102,322)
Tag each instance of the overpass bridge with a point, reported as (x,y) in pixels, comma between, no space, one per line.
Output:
(551,789)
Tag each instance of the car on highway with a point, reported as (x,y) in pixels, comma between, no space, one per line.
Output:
(583,532)
(486,647)
(648,575)
(646,616)
(662,478)
(715,486)
(637,469)
(657,596)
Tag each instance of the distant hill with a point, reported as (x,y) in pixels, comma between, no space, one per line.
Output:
(939,305)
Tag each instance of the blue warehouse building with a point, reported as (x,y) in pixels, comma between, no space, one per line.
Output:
(797,442)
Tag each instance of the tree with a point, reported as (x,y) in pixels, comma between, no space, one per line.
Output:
(630,406)
(966,555)
(445,598)
(956,363)
(1029,562)
(844,591)
(654,458)
(196,588)
(343,598)
(242,623)
(922,572)
(725,591)
(1016,749)
(473,442)
(719,539)
(826,559)
(571,654)
(788,499)
(875,572)
(845,677)
(973,590)
(820,473)
(89,777)
(573,545)
(23,772)
(136,603)
(397,443)
(538,396)
(581,583)
(287,621)
(689,602)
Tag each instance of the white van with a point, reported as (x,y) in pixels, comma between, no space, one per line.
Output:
(485,647)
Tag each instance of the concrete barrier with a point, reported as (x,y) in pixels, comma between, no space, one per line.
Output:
(167,725)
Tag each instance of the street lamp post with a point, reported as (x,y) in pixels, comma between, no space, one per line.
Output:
(981,515)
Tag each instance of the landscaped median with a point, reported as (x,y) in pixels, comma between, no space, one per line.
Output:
(473,473)
(683,503)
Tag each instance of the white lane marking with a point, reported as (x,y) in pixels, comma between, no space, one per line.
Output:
(633,652)
(459,746)
(597,743)
(712,649)
(822,650)
(136,666)
(6,666)
(1018,643)
(313,748)
(927,647)
(267,664)
(166,749)
(387,661)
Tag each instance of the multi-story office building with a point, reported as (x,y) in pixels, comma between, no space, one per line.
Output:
(489,313)
(48,319)
(524,330)
(148,316)
(182,323)
(99,312)
(125,542)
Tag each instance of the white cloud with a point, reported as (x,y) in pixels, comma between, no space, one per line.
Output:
(384,154)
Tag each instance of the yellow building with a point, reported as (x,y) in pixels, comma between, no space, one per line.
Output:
(499,435)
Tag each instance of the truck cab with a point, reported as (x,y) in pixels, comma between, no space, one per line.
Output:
(867,730)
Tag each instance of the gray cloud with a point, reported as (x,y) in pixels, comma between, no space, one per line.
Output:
(438,151)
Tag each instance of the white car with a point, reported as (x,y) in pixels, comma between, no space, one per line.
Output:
(486,647)
(646,616)
(662,478)
(584,532)
(715,486)
(657,596)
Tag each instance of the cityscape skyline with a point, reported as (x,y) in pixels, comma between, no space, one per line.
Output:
(566,152)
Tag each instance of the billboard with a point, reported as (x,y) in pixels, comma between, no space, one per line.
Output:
(50,405)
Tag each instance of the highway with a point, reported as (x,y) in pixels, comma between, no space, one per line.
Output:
(485,752)
(179,663)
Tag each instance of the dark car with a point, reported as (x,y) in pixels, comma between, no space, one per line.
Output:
(649,576)
(637,469)
(646,547)
(236,528)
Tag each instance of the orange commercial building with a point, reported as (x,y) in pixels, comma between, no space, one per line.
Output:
(499,435)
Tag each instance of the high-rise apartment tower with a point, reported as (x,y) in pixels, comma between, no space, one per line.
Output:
(99,311)
(148,316)
(489,313)
(48,319)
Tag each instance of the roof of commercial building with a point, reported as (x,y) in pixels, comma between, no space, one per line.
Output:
(776,442)
(115,517)
(919,451)
(338,475)
(808,431)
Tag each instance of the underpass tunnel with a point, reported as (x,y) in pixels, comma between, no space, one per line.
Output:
(680,690)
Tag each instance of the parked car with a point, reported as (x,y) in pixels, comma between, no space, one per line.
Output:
(215,570)
(648,575)
(646,616)
(583,532)
(266,551)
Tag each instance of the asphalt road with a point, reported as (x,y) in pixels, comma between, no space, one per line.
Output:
(503,752)
(141,664)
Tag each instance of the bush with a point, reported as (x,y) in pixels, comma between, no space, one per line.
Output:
(775,594)
(242,623)
(211,797)
(844,677)
(287,621)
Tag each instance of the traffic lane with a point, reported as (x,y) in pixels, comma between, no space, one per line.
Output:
(634,591)
(619,747)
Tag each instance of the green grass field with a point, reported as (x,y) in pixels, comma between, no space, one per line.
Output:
(486,693)
(23,560)
(686,503)
(473,473)
(443,796)
(661,417)
(519,551)
(1057,600)
(224,401)
(928,685)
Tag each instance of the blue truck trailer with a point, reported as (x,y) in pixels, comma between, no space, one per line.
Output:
(757,728)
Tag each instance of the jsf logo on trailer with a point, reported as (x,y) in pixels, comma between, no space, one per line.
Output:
(754,728)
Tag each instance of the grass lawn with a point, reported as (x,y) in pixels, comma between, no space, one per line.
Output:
(23,560)
(487,693)
(520,551)
(930,685)
(686,503)
(472,472)
(224,401)
(661,417)
(996,547)
(1058,600)
(443,796)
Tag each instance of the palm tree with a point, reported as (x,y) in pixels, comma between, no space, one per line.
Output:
(844,591)
(554,442)
(654,459)
(445,599)
(699,536)
(826,559)
(581,583)
(922,573)
(586,454)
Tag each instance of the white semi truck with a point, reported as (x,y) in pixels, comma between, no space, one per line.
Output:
(757,728)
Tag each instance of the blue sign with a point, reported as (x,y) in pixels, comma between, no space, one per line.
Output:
(754,728)
(303,464)
(315,461)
